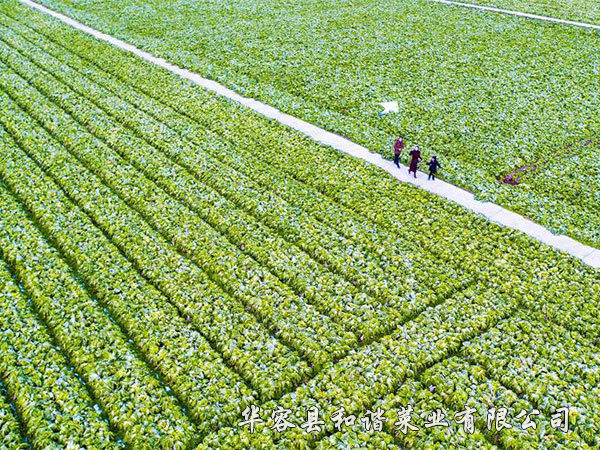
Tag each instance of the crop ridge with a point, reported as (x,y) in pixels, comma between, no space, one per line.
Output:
(109,148)
(61,143)
(92,219)
(57,252)
(383,228)
(376,338)
(123,253)
(363,343)
(51,336)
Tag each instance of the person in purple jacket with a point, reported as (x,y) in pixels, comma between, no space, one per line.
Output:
(415,154)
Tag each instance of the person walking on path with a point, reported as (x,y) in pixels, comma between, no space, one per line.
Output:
(433,167)
(415,153)
(398,147)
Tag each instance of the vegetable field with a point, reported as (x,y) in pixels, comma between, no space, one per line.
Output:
(170,259)
(496,97)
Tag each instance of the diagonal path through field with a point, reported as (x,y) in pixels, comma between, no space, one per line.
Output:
(589,255)
(519,14)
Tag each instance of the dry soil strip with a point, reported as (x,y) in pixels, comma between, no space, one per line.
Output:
(589,255)
(519,13)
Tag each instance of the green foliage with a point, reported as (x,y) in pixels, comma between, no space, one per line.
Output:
(189,258)
(51,400)
(9,425)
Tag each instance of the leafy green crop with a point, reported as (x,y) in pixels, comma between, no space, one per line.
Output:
(51,400)
(9,425)
(176,258)
(138,405)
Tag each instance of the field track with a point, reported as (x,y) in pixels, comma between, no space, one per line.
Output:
(520,14)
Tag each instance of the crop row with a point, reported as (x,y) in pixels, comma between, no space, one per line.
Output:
(137,404)
(257,354)
(463,244)
(330,292)
(452,385)
(328,197)
(461,383)
(410,394)
(241,274)
(227,219)
(252,351)
(551,365)
(165,208)
(285,151)
(26,168)
(367,374)
(483,121)
(212,392)
(319,168)
(502,259)
(52,402)
(462,239)
(105,167)
(9,425)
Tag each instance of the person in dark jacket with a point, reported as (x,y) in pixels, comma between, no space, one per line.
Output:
(415,154)
(434,165)
(398,147)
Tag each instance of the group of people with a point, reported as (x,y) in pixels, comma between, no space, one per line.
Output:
(416,158)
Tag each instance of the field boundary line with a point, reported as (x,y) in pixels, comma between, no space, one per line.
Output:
(494,213)
(519,14)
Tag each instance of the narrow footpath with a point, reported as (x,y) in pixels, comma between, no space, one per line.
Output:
(519,14)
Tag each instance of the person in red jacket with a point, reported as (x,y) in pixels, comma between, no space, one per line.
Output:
(415,153)
(398,147)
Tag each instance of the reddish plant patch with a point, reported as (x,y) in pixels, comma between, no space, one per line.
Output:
(513,178)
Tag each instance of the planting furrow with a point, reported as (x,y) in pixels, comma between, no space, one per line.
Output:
(132,397)
(376,370)
(51,400)
(256,285)
(254,353)
(210,391)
